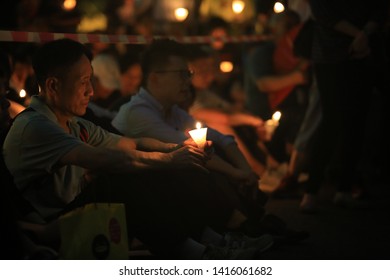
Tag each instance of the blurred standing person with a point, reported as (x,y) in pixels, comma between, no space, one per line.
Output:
(342,68)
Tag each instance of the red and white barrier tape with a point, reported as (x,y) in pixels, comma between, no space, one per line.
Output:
(42,37)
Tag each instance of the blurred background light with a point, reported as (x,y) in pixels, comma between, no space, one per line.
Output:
(69,5)
(278,7)
(226,66)
(181,14)
(238,6)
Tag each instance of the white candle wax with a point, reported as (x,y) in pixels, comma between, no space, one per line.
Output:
(199,136)
(271,124)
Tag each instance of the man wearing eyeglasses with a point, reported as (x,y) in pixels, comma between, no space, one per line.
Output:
(154,113)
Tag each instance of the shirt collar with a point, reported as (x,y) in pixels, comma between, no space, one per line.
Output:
(150,99)
(41,107)
(144,94)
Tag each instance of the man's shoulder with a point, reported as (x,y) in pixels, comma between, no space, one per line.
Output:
(138,101)
(137,105)
(29,118)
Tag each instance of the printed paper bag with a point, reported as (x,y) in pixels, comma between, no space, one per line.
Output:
(95,231)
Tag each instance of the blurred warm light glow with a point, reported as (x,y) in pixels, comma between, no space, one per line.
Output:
(181,14)
(278,7)
(276,116)
(226,66)
(91,24)
(198,125)
(238,6)
(69,4)
(22,93)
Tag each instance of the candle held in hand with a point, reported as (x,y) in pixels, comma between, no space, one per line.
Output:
(270,125)
(199,135)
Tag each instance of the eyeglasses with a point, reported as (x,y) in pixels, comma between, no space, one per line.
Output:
(184,74)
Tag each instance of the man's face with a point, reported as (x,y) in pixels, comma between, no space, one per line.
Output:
(174,81)
(76,89)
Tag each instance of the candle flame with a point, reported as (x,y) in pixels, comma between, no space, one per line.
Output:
(22,93)
(198,125)
(276,116)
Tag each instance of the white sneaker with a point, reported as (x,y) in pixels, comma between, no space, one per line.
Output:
(272,177)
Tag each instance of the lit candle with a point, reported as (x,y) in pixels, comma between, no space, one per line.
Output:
(199,135)
(22,93)
(272,124)
(276,117)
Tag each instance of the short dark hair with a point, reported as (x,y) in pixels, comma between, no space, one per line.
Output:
(156,55)
(56,57)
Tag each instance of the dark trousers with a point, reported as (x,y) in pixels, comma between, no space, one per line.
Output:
(248,199)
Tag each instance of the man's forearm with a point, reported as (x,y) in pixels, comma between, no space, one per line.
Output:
(151,159)
(100,158)
(153,145)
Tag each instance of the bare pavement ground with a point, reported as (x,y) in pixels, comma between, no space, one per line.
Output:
(337,233)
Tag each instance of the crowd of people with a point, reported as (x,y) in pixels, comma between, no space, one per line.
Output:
(99,113)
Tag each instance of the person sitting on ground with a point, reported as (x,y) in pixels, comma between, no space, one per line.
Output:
(67,161)
(16,242)
(106,84)
(131,77)
(154,112)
